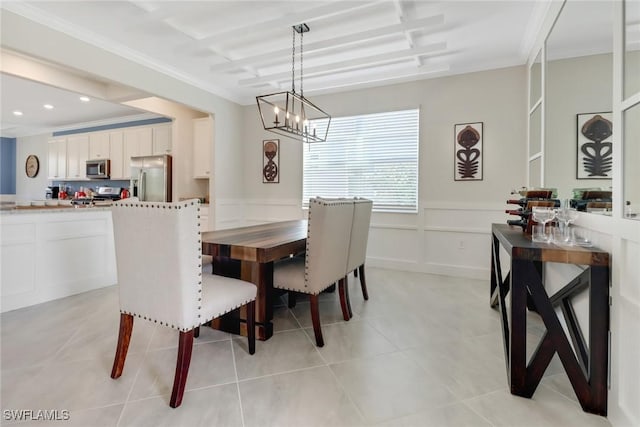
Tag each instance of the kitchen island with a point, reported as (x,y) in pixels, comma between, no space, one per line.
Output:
(54,252)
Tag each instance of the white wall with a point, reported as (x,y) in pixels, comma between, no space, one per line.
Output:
(450,232)
(574,86)
(31,188)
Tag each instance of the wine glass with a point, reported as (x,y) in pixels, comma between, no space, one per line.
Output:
(543,214)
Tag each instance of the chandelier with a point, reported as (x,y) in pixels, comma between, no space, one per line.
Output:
(289,113)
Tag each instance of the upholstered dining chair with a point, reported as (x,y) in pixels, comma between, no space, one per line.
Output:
(159,260)
(325,260)
(358,244)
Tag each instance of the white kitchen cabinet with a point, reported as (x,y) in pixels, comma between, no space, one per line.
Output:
(202,143)
(57,161)
(137,141)
(77,156)
(162,139)
(98,145)
(204,218)
(119,169)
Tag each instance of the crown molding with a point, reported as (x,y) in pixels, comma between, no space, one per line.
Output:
(36,15)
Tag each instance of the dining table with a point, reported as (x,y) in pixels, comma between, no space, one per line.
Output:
(248,253)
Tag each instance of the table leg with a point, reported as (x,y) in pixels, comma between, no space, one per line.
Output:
(520,271)
(262,276)
(598,339)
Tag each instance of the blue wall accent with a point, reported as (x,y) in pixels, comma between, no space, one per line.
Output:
(114,126)
(8,165)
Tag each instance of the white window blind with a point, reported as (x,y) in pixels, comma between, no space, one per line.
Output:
(373,156)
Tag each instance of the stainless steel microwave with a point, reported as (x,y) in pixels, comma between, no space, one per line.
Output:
(98,169)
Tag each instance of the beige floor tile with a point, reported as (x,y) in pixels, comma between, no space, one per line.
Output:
(285,351)
(390,386)
(561,384)
(73,386)
(456,415)
(284,320)
(310,397)
(420,344)
(211,364)
(330,312)
(96,339)
(351,340)
(546,408)
(212,406)
(465,371)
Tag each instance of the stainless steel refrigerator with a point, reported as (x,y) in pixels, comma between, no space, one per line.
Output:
(151,178)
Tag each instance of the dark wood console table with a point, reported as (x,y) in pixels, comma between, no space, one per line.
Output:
(587,366)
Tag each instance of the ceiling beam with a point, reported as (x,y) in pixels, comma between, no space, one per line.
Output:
(377,78)
(336,42)
(372,60)
(289,20)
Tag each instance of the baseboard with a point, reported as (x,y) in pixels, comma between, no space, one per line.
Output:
(430,268)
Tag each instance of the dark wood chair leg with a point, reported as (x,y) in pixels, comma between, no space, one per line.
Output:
(355,273)
(330,289)
(185,345)
(291,299)
(343,300)
(124,336)
(315,319)
(363,283)
(251,326)
(196,332)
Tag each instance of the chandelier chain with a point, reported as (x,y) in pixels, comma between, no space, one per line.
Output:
(301,56)
(293,60)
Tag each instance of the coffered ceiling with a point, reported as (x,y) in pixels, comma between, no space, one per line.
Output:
(240,49)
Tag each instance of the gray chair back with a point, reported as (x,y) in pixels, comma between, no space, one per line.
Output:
(359,233)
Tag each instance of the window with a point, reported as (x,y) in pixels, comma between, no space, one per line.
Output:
(373,156)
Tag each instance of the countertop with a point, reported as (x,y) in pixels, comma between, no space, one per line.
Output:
(18,210)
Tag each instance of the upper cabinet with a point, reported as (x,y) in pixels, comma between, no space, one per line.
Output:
(57,158)
(138,141)
(162,139)
(99,145)
(116,155)
(202,145)
(77,156)
(68,154)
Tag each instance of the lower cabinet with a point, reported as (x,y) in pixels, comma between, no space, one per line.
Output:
(53,254)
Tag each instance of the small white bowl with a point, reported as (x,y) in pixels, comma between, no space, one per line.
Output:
(51,202)
(23,203)
(37,203)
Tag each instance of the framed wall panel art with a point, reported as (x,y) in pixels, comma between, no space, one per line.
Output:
(271,161)
(594,151)
(468,152)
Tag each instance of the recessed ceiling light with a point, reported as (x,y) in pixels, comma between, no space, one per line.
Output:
(85,99)
(17,113)
(48,106)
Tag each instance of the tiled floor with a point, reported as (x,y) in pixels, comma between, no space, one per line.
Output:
(425,350)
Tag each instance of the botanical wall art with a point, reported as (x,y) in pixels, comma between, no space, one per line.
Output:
(271,161)
(468,152)
(595,152)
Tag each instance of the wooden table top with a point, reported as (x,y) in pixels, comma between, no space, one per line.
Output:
(259,243)
(520,246)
